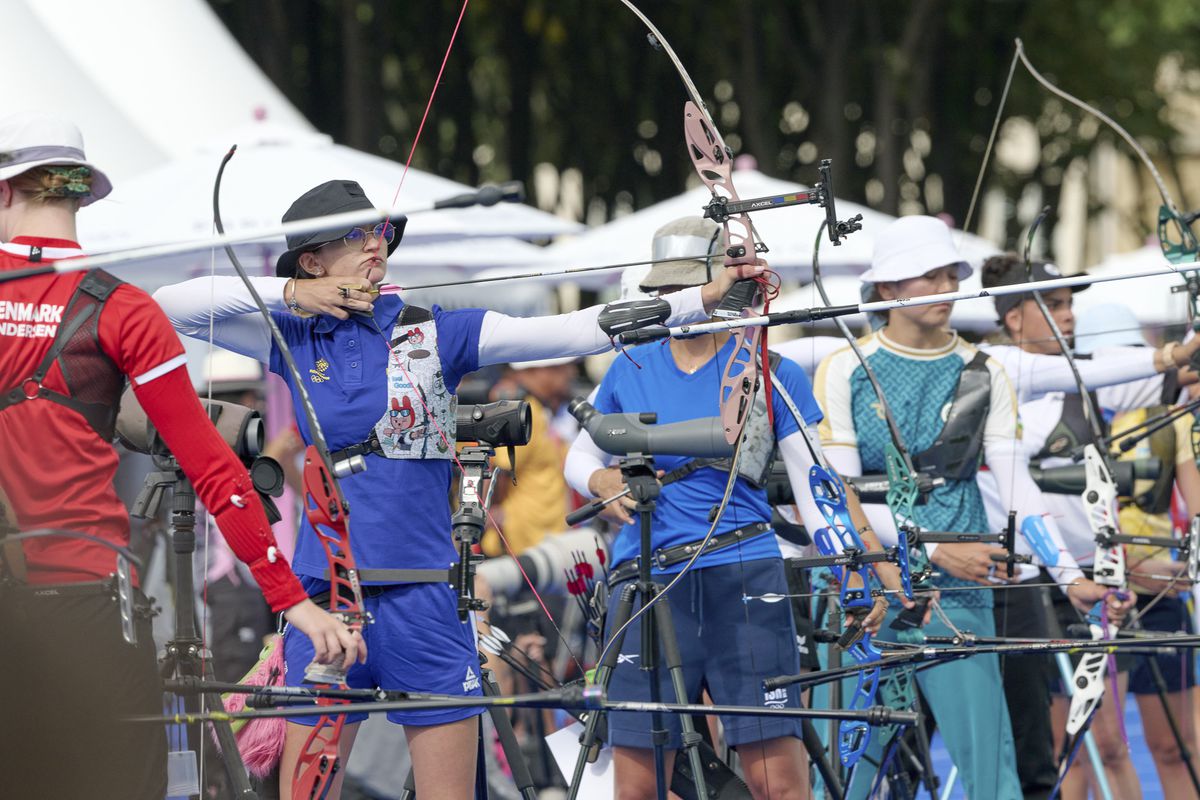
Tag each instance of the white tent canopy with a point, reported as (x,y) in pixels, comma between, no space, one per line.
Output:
(145,80)
(273,166)
(789,232)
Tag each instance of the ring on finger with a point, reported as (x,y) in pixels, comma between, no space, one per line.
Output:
(344,291)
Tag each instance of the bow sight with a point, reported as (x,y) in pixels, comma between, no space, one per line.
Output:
(720,209)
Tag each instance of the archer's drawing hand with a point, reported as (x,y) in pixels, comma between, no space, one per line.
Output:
(332,639)
(335,295)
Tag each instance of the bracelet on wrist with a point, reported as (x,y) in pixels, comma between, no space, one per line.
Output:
(292,305)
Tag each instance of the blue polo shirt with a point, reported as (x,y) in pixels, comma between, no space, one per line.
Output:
(681,514)
(399,508)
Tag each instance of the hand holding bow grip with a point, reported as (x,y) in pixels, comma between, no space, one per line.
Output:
(852,632)
(739,297)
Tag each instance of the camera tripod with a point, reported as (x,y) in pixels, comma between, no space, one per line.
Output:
(185,656)
(657,631)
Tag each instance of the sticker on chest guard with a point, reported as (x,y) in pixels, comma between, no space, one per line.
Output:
(410,426)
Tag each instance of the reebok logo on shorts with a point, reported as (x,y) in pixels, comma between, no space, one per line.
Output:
(472,681)
(622,658)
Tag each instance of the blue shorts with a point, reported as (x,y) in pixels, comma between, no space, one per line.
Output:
(1168,615)
(416,643)
(727,646)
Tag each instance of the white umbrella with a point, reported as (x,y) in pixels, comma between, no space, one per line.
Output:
(275,165)
(789,232)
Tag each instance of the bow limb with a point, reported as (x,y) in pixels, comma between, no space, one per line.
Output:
(739,377)
(1178,245)
(713,160)
(1100,501)
(328,513)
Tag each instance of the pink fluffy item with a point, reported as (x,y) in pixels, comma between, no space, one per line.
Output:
(260,741)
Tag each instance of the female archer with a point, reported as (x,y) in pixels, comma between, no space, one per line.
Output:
(67,670)
(728,643)
(380,353)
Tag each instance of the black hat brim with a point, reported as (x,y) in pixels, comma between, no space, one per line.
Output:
(288,263)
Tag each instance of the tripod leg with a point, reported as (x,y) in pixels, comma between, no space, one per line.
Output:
(587,740)
(508,740)
(674,665)
(1160,684)
(929,776)
(239,779)
(816,753)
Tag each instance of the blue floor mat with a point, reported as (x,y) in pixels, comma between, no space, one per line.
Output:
(1143,762)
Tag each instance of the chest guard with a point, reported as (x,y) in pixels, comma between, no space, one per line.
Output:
(416,393)
(1163,443)
(956,452)
(1071,432)
(94,383)
(759,448)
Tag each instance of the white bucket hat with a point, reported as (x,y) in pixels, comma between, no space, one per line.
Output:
(688,236)
(910,247)
(29,140)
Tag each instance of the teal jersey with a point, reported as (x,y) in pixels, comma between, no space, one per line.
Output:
(919,390)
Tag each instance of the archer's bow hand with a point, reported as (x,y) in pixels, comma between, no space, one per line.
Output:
(971,561)
(889,576)
(873,620)
(335,295)
(713,291)
(332,640)
(1178,355)
(1084,594)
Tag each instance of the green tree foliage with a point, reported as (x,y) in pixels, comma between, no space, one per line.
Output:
(901,94)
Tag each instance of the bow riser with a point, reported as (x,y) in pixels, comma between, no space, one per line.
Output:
(319,759)
(1192,549)
(1100,502)
(1088,681)
(714,164)
(1175,236)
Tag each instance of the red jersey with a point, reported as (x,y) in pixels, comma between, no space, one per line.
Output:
(56,472)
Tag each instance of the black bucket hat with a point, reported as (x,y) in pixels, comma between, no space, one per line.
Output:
(331,197)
